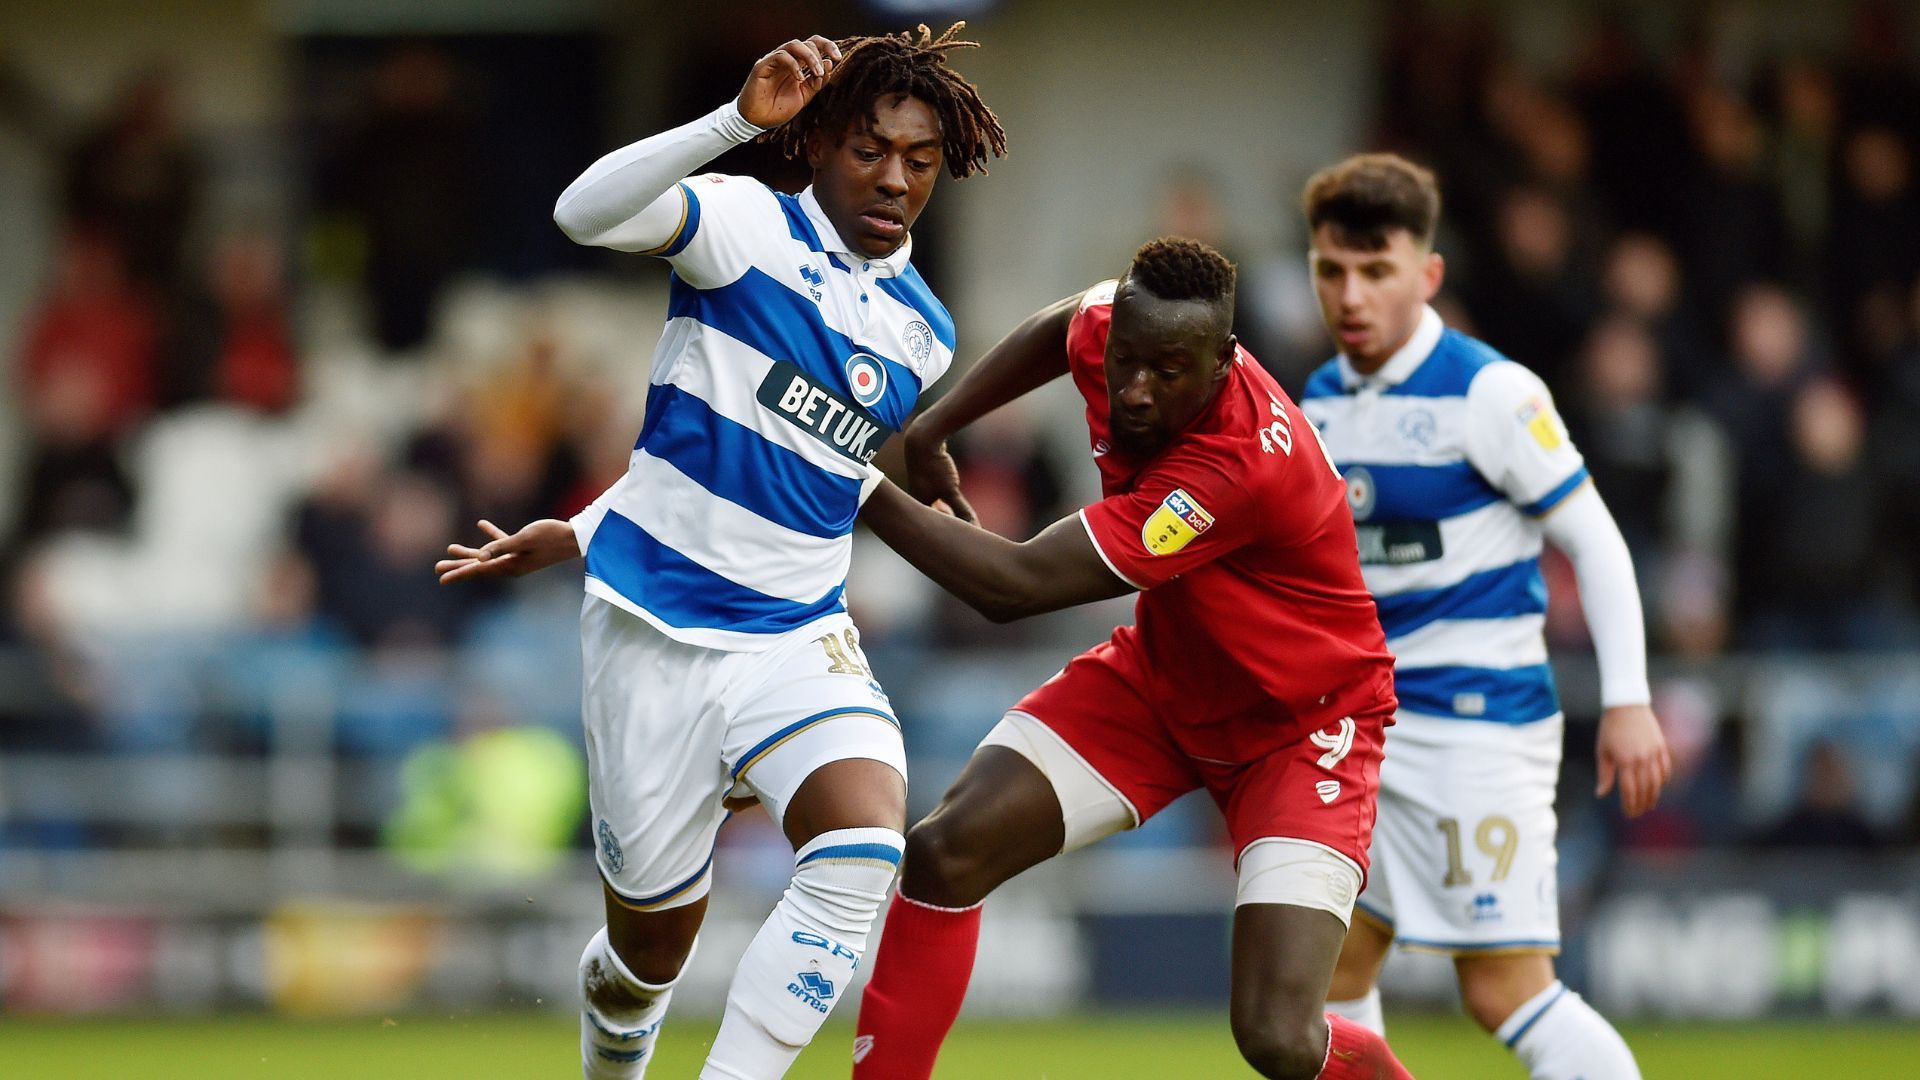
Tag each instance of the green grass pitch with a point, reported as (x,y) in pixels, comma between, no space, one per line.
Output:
(512,1046)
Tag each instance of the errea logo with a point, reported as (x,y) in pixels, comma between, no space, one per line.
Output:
(813,278)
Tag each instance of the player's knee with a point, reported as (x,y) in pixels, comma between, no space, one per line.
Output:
(1282,1048)
(1487,999)
(946,866)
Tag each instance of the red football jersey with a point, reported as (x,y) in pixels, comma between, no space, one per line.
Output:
(1239,536)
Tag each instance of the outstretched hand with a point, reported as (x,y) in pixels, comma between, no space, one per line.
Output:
(536,546)
(1632,750)
(934,479)
(783,81)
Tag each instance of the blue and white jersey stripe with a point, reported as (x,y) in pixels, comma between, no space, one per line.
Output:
(786,360)
(1451,454)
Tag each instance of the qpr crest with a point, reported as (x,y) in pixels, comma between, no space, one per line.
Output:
(610,847)
(868,379)
(919,341)
(1360,492)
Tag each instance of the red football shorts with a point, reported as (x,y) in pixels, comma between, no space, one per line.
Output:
(1153,739)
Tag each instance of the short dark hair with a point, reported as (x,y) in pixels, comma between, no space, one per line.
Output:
(1175,268)
(901,66)
(1367,196)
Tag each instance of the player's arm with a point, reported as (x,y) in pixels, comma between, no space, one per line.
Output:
(1032,355)
(1519,444)
(1000,578)
(631,199)
(1631,748)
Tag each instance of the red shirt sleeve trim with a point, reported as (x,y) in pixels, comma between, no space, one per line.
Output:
(1098,550)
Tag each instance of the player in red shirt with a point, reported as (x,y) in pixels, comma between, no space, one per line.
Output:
(1256,668)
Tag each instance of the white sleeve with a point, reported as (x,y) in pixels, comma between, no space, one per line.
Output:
(587,521)
(631,199)
(1582,527)
(1516,441)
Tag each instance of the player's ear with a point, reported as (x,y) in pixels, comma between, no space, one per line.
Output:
(1434,272)
(1224,362)
(817,150)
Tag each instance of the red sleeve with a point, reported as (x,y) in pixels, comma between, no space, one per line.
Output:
(1186,511)
(1087,344)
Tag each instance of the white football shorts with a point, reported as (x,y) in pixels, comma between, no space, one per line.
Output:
(1463,857)
(674,729)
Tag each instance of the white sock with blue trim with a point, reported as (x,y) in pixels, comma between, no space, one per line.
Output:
(799,965)
(1364,1011)
(620,1020)
(1558,1036)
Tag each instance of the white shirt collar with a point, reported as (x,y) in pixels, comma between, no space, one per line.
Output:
(892,266)
(1405,360)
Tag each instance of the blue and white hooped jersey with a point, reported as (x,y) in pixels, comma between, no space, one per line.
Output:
(1452,453)
(786,361)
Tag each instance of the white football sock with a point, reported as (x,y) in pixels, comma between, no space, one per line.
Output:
(1558,1036)
(800,963)
(1364,1011)
(620,1020)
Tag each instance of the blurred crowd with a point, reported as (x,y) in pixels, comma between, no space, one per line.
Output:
(243,450)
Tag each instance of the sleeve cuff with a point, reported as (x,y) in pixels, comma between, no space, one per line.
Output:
(1094,538)
(728,121)
(586,523)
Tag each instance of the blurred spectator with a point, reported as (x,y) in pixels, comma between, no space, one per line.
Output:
(1640,278)
(373,537)
(1816,565)
(1808,105)
(1876,73)
(1876,224)
(137,179)
(86,379)
(1732,232)
(406,174)
(1772,353)
(89,351)
(1827,815)
(230,339)
(1533,303)
(48,689)
(1639,129)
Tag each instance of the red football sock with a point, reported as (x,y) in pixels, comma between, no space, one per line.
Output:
(1357,1053)
(920,974)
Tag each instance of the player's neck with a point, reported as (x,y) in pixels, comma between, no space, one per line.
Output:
(1372,365)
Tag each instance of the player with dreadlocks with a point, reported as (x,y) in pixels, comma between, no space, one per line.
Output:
(720,664)
(1255,669)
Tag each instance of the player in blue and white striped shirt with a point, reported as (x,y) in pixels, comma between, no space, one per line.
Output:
(720,663)
(1457,469)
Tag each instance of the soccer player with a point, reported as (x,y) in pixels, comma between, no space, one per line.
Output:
(719,659)
(1456,466)
(1256,669)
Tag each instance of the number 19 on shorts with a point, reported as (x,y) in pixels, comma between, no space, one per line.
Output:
(1496,838)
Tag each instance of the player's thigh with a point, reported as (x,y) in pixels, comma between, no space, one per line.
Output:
(1102,744)
(655,780)
(1000,818)
(811,735)
(1466,834)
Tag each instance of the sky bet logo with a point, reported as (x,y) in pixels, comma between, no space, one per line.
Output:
(844,427)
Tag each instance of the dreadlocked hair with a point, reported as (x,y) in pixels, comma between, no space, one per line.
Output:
(900,66)
(1175,268)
